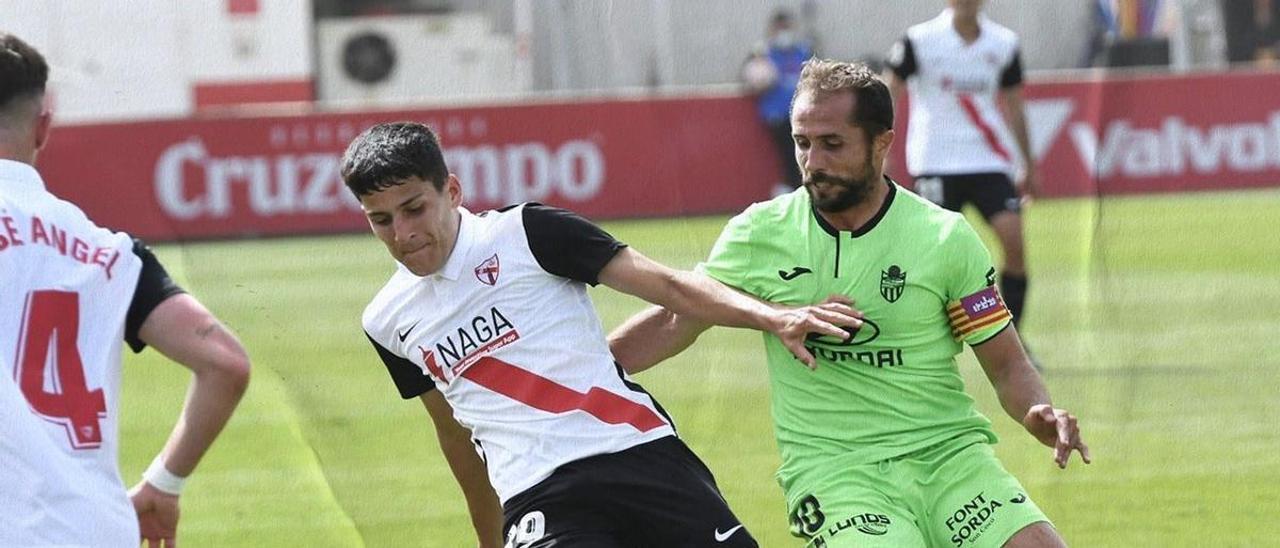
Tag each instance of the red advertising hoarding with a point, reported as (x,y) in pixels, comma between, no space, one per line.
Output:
(206,178)
(1154,133)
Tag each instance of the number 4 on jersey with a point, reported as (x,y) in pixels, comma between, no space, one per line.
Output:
(54,316)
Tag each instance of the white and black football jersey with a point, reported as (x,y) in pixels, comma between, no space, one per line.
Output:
(955,125)
(505,330)
(71,293)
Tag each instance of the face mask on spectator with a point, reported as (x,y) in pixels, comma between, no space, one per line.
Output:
(784,39)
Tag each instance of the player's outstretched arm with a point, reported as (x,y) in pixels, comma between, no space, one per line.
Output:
(709,301)
(1024,397)
(468,469)
(652,336)
(185,331)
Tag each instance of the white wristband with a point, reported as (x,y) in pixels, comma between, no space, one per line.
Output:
(162,479)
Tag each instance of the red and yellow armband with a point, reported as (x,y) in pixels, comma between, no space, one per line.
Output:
(976,312)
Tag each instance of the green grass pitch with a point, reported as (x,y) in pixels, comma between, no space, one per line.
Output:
(1158,319)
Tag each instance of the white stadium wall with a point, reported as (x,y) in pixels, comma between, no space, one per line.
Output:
(145,59)
(159,59)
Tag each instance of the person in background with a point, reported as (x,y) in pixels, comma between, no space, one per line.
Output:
(1252,30)
(964,75)
(771,73)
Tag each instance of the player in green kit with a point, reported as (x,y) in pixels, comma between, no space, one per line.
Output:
(881,446)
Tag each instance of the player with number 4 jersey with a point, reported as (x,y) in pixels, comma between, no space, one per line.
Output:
(71,294)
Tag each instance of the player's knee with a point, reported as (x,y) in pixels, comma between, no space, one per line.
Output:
(234,368)
(1013,264)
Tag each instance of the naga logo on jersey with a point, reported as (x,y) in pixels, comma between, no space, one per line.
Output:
(487,272)
(891,283)
(466,344)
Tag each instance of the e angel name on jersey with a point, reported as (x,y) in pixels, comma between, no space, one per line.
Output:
(464,345)
(14,234)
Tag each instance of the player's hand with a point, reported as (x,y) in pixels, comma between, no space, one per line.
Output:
(157,515)
(829,317)
(1056,428)
(1030,187)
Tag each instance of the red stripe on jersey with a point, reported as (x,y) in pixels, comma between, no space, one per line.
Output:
(971,110)
(544,394)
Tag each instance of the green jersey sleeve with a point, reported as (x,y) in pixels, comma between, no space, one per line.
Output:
(730,259)
(975,308)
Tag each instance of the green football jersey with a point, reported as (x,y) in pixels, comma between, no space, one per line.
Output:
(925,282)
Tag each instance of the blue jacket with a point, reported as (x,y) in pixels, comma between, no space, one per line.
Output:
(775,103)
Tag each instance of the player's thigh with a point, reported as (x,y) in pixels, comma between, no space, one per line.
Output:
(670,498)
(855,508)
(991,193)
(975,502)
(1007,226)
(941,191)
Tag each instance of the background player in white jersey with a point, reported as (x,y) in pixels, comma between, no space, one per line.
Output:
(959,69)
(71,293)
(487,320)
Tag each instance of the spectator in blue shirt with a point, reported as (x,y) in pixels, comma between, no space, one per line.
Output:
(771,73)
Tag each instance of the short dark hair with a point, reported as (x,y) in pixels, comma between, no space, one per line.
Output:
(781,16)
(387,154)
(873,107)
(23,71)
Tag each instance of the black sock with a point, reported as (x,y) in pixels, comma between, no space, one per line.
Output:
(1014,290)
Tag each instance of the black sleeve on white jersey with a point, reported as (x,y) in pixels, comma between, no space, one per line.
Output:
(154,286)
(902,59)
(1012,75)
(568,245)
(408,377)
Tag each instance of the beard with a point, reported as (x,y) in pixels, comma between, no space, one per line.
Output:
(845,192)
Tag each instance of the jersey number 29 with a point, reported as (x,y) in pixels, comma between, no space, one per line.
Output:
(55,315)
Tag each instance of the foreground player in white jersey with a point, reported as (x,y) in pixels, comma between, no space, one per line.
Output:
(958,67)
(70,293)
(487,320)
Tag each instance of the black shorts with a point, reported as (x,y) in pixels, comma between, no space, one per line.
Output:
(991,193)
(655,494)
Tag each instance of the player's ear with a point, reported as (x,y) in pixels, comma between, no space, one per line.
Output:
(884,141)
(454,189)
(43,122)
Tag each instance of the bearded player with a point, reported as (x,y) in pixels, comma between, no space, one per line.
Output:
(881,446)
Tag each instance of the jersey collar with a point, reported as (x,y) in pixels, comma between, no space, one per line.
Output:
(948,18)
(20,175)
(862,230)
(452,268)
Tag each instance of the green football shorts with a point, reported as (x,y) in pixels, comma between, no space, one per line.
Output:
(953,494)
